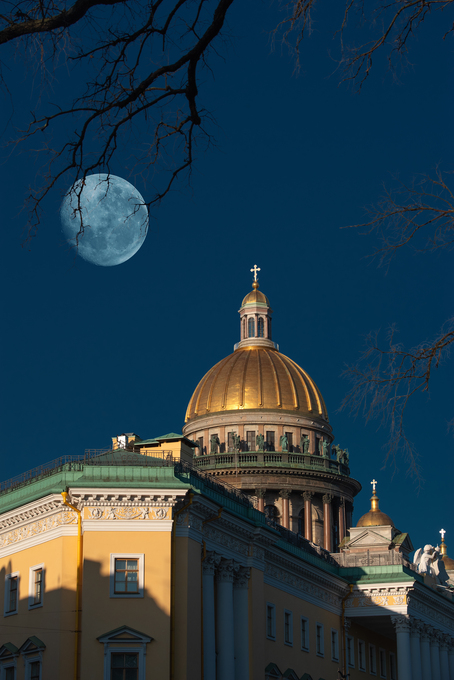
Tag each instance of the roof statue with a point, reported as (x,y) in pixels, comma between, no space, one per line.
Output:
(429,561)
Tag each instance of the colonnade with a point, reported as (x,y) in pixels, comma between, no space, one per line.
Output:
(331,505)
(226,625)
(423,652)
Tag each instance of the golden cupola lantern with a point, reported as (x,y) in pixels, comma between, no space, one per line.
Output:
(375,517)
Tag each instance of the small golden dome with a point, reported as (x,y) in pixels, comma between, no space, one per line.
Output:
(256,378)
(375,517)
(448,562)
(255,297)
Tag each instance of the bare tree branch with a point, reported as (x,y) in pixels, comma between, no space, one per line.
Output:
(390,24)
(385,379)
(144,71)
(420,214)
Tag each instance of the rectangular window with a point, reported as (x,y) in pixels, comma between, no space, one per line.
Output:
(126,575)
(10,673)
(392,666)
(304,634)
(372,660)
(382,660)
(124,666)
(230,444)
(334,645)
(250,438)
(288,627)
(270,442)
(350,652)
(361,655)
(36,586)
(289,436)
(319,641)
(35,670)
(11,594)
(201,451)
(270,621)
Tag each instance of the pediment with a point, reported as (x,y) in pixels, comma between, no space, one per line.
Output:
(272,671)
(32,644)
(369,537)
(8,650)
(124,634)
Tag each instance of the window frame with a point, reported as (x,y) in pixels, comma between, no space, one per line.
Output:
(133,648)
(31,658)
(350,651)
(392,666)
(321,651)
(334,639)
(306,633)
(362,645)
(382,656)
(372,659)
(250,440)
(8,578)
(288,615)
(271,635)
(140,557)
(31,586)
(7,664)
(271,441)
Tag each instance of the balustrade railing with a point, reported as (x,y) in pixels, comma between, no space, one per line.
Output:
(267,458)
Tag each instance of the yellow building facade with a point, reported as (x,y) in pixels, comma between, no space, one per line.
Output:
(225,553)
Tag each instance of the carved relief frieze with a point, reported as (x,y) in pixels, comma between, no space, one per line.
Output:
(436,612)
(123,500)
(381,597)
(65,517)
(131,513)
(31,513)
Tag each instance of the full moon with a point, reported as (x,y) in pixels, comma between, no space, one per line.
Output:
(112,222)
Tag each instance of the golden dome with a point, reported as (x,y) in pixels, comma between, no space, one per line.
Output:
(256,378)
(375,517)
(255,297)
(448,562)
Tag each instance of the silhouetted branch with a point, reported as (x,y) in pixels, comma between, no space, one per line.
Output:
(384,380)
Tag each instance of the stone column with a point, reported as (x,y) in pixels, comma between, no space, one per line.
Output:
(426,668)
(451,660)
(260,493)
(341,519)
(444,660)
(209,565)
(307,495)
(327,498)
(402,626)
(415,645)
(241,623)
(284,494)
(435,655)
(225,643)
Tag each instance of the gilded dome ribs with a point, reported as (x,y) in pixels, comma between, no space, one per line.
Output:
(256,378)
(291,381)
(226,389)
(276,380)
(303,382)
(259,380)
(213,383)
(243,380)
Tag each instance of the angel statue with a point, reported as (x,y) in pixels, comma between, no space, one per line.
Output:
(260,442)
(304,443)
(424,557)
(284,442)
(214,441)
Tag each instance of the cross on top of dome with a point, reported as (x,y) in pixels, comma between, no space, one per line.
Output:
(255,269)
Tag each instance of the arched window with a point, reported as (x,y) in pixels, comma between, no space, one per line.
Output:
(272,513)
(261,328)
(251,327)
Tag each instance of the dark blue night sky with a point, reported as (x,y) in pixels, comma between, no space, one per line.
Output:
(90,352)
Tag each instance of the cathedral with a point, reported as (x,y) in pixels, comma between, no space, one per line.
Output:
(227,552)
